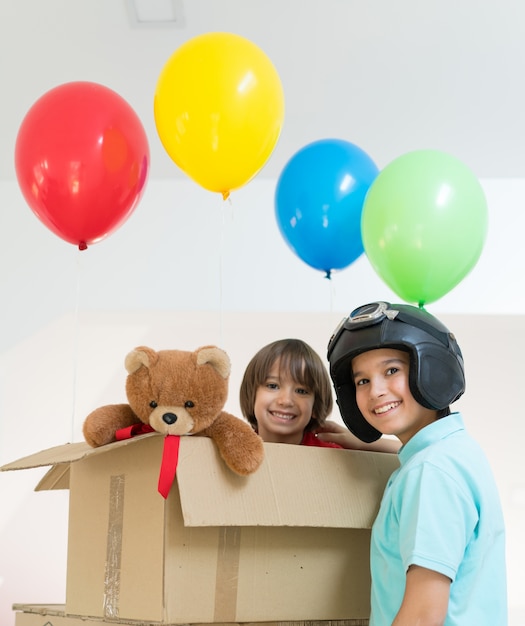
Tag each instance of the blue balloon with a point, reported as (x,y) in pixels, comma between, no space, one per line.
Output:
(319,200)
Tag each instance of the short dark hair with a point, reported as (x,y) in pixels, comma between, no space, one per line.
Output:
(302,363)
(443,412)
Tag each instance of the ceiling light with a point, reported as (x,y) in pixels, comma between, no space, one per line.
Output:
(155,12)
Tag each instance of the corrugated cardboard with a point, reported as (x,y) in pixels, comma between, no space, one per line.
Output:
(54,615)
(288,543)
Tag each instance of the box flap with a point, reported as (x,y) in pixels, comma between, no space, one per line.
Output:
(56,478)
(66,453)
(60,459)
(51,456)
(295,486)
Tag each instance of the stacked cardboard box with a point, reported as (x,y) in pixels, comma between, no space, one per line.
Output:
(289,543)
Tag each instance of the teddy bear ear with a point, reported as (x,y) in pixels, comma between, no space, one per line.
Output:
(141,356)
(215,357)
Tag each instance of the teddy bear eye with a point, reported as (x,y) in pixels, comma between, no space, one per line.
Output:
(153,404)
(189,404)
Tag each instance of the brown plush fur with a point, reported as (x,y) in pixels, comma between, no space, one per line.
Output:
(188,389)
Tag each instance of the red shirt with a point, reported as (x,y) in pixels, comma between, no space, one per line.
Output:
(310,439)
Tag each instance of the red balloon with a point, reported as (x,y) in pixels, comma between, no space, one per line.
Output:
(82,160)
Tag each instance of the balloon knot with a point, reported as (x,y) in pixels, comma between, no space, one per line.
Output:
(82,245)
(225,195)
(328,274)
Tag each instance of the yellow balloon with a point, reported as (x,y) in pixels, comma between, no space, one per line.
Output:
(219,109)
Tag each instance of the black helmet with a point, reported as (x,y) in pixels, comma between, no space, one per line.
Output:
(436,375)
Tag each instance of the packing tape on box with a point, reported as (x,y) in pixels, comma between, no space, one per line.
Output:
(227,574)
(114,547)
(226,582)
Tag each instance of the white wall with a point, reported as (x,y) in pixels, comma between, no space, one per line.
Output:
(186,270)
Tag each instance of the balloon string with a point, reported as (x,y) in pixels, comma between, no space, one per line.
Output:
(221,271)
(226,201)
(76,334)
(221,268)
(332,294)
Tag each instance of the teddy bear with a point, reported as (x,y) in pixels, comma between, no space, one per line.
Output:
(177,392)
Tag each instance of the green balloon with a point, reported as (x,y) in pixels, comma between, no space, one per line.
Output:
(424,224)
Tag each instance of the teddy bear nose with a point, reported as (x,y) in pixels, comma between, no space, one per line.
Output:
(169,418)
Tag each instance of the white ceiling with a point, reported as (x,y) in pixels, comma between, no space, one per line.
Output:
(390,76)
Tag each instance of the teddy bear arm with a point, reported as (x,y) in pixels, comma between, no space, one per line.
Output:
(239,445)
(100,425)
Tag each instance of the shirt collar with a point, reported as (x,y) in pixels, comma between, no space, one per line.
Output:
(439,429)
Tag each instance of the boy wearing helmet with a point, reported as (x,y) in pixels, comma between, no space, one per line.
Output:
(438,542)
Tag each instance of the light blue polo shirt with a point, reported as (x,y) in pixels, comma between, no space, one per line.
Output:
(441,510)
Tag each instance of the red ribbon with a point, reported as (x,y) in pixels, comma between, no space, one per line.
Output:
(168,468)
(170,454)
(133,431)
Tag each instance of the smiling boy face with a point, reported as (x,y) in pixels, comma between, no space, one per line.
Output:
(383,394)
(283,407)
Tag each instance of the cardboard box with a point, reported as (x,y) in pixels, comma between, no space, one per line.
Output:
(288,543)
(54,615)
